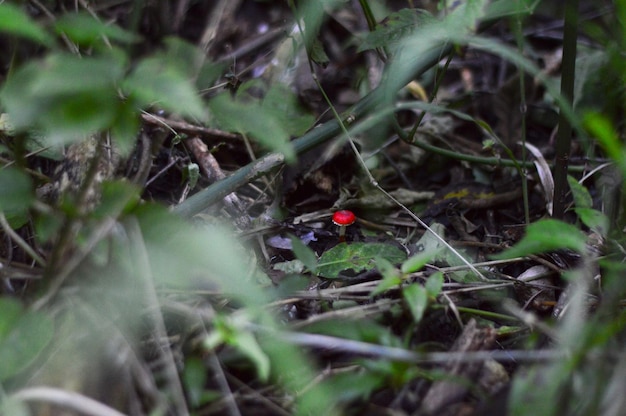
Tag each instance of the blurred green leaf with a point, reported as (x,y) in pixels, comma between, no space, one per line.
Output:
(303,253)
(546,235)
(16,191)
(347,390)
(504,8)
(65,96)
(282,104)
(593,219)
(428,247)
(185,57)
(395,27)
(416,298)
(86,30)
(582,198)
(23,335)
(117,197)
(158,82)
(391,276)
(357,257)
(125,126)
(602,128)
(434,284)
(255,120)
(15,22)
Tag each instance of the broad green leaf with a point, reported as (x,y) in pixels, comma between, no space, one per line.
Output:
(15,22)
(593,219)
(187,59)
(434,284)
(582,199)
(117,197)
(416,298)
(125,126)
(602,128)
(428,247)
(244,341)
(504,8)
(357,257)
(252,119)
(348,390)
(86,30)
(23,336)
(194,377)
(546,235)
(16,191)
(391,276)
(158,82)
(281,103)
(64,96)
(303,253)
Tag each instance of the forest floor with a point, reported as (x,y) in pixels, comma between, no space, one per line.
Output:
(414,311)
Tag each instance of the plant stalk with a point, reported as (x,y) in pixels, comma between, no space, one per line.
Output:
(564,134)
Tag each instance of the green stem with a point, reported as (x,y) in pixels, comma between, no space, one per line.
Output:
(564,136)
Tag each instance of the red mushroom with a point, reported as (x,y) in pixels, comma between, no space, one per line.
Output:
(342,219)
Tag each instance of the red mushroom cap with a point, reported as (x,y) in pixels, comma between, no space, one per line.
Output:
(344,217)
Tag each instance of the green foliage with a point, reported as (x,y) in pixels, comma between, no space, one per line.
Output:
(303,253)
(16,191)
(592,218)
(85,30)
(546,235)
(271,121)
(396,27)
(232,332)
(23,336)
(63,95)
(416,298)
(357,257)
(15,22)
(160,83)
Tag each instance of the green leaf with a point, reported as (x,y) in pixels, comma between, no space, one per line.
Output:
(434,284)
(546,235)
(347,390)
(582,199)
(303,253)
(416,298)
(15,22)
(255,120)
(248,345)
(16,191)
(357,257)
(23,335)
(593,219)
(125,126)
(158,82)
(391,276)
(282,104)
(394,28)
(602,128)
(234,332)
(428,246)
(505,8)
(86,30)
(65,96)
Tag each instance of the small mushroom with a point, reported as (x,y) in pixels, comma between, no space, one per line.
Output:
(343,219)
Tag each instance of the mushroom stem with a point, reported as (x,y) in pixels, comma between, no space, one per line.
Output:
(342,233)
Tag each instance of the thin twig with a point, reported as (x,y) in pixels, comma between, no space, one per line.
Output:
(66,399)
(17,239)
